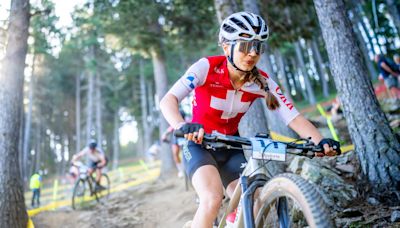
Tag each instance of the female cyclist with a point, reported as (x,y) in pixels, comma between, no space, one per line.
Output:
(224,88)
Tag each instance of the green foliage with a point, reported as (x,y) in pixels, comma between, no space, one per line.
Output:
(289,20)
(383,30)
(42,27)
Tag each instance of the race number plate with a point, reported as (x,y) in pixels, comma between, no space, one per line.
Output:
(267,149)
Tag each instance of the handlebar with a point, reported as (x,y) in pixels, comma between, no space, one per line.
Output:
(216,140)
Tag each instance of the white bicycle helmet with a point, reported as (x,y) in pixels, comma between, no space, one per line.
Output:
(243,26)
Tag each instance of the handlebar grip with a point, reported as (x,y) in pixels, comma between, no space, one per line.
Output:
(179,133)
(318,148)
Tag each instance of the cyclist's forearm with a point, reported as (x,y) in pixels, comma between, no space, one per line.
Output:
(103,162)
(388,69)
(170,109)
(305,129)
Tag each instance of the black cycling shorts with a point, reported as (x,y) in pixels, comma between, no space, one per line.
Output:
(228,162)
(93,165)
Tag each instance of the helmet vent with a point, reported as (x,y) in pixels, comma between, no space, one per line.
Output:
(259,21)
(239,23)
(228,28)
(248,20)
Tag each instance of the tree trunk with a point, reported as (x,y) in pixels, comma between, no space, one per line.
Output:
(28,124)
(160,77)
(394,12)
(20,148)
(278,126)
(356,20)
(294,76)
(320,67)
(224,8)
(78,113)
(38,143)
(116,141)
(12,203)
(281,69)
(151,108)
(144,106)
(376,145)
(300,59)
(99,129)
(360,13)
(89,114)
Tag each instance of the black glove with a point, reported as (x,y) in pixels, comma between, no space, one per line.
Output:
(332,143)
(187,128)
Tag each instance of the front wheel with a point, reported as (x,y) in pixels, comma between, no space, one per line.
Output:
(104,194)
(288,200)
(79,194)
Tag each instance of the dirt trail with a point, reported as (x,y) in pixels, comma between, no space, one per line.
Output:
(158,204)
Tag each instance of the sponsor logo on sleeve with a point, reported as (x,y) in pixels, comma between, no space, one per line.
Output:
(191,80)
(283,98)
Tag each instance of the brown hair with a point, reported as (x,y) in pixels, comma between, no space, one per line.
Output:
(255,76)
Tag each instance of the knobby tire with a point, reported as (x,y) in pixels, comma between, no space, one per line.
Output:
(301,192)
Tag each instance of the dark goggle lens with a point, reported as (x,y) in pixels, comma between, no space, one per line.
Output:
(248,46)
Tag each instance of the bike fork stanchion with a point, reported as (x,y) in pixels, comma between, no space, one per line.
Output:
(247,205)
(283,214)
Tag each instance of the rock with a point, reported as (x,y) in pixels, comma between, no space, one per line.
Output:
(311,171)
(333,189)
(346,168)
(372,201)
(395,123)
(296,164)
(395,217)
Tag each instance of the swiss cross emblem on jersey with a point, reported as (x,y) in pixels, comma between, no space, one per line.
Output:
(231,105)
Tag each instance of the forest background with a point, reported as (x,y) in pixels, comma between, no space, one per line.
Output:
(106,71)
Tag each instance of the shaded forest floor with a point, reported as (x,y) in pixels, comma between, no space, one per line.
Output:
(157,204)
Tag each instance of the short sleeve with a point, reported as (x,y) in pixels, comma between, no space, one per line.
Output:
(195,76)
(286,111)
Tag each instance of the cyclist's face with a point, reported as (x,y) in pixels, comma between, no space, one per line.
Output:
(245,55)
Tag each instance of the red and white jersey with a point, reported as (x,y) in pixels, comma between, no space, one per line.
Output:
(216,104)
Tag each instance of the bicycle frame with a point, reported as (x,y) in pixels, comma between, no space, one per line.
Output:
(84,175)
(247,186)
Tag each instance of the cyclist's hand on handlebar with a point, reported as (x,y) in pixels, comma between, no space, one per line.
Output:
(193,132)
(330,146)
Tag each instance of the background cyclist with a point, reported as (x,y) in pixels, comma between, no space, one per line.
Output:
(224,88)
(96,161)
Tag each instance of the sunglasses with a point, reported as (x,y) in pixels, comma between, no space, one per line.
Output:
(248,46)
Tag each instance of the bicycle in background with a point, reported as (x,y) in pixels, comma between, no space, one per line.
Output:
(84,187)
(284,200)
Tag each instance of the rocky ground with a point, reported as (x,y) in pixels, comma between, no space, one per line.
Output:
(157,204)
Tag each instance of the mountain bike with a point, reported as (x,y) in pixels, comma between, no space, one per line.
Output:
(84,188)
(284,200)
